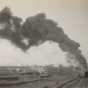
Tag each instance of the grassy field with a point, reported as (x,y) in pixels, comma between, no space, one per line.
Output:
(50,79)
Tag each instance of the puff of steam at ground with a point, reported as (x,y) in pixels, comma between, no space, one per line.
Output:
(38,29)
(44,54)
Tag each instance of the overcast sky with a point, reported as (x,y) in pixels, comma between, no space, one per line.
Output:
(71,15)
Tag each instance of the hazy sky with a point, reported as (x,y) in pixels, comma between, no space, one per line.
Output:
(71,15)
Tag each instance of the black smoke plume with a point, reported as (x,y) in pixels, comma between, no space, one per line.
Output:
(36,30)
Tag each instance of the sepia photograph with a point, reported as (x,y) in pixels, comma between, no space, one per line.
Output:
(43,44)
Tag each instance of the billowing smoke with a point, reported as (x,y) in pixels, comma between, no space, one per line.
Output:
(36,30)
